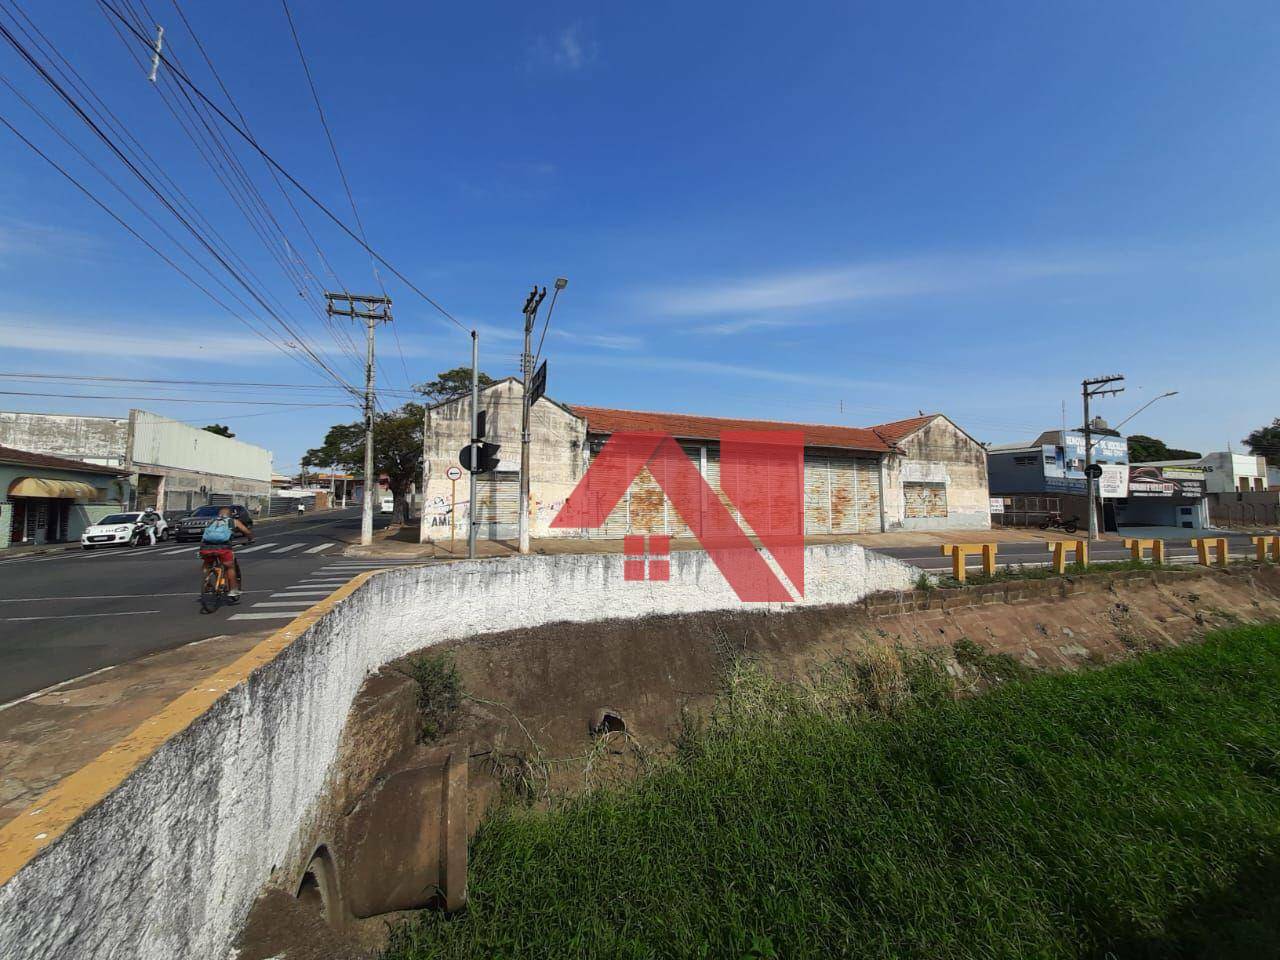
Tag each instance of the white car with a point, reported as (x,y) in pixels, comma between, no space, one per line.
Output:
(388,504)
(119,529)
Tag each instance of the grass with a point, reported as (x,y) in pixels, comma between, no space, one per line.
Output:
(439,692)
(1130,811)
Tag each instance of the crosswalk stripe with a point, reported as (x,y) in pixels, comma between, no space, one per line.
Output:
(264,616)
(321,583)
(318,547)
(261,546)
(303,593)
(169,553)
(287,548)
(284,603)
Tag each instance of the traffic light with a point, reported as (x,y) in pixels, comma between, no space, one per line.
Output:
(486,457)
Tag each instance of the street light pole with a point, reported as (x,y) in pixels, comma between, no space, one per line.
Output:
(531,305)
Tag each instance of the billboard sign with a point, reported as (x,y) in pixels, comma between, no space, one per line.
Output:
(1147,481)
(1064,465)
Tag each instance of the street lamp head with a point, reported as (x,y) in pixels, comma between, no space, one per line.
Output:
(561,282)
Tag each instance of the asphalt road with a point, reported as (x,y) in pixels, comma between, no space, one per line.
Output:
(931,558)
(68,613)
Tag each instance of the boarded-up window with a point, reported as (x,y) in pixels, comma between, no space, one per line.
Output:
(925,500)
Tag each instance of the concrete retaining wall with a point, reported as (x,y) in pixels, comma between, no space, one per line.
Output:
(158,849)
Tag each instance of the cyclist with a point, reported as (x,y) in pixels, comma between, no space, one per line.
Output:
(215,547)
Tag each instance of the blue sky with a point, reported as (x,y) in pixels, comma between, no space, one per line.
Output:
(839,212)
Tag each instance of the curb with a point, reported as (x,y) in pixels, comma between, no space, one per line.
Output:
(50,816)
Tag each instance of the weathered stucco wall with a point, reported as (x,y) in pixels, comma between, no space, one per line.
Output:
(556,453)
(168,864)
(96,439)
(948,471)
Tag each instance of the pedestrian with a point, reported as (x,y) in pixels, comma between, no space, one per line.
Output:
(302,508)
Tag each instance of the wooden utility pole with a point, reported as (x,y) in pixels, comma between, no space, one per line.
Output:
(366,309)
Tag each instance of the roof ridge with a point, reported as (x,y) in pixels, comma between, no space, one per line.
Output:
(709,416)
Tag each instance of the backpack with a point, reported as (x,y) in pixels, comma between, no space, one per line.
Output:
(219,531)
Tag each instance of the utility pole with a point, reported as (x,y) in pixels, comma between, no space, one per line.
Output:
(1095,387)
(363,308)
(531,305)
(475,426)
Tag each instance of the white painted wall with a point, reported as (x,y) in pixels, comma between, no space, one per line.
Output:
(168,443)
(169,864)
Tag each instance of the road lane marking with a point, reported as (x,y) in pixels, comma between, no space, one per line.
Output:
(323,583)
(318,548)
(261,546)
(285,603)
(81,616)
(303,593)
(116,596)
(286,549)
(182,549)
(265,616)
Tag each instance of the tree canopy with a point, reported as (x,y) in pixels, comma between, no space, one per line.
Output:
(451,384)
(1265,442)
(1144,449)
(397,449)
(220,430)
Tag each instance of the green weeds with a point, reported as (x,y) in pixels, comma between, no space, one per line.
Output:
(1130,811)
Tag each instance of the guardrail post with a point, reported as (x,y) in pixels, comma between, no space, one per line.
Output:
(1059,550)
(1138,548)
(1265,545)
(1218,545)
(958,551)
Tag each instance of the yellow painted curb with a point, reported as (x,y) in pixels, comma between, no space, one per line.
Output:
(52,815)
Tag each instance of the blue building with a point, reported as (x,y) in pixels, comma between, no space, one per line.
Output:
(1033,480)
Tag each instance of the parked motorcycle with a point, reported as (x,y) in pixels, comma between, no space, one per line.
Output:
(1055,522)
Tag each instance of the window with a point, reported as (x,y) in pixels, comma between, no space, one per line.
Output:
(925,500)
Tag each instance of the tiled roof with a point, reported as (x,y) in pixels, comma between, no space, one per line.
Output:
(895,431)
(26,458)
(685,426)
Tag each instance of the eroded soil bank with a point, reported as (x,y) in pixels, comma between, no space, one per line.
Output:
(531,702)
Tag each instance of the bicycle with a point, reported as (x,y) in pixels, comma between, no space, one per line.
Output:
(214,586)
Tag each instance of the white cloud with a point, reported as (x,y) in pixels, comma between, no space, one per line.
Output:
(871,281)
(570,49)
(224,343)
(744,324)
(606,341)
(18,237)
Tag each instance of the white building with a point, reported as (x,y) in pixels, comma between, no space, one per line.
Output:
(172,465)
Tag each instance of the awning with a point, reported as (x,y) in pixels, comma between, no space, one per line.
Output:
(43,487)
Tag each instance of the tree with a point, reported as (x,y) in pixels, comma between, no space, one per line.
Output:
(451,384)
(220,430)
(1144,449)
(397,450)
(1265,442)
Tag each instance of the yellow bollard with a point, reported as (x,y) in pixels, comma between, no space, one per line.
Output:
(1218,545)
(1265,545)
(958,552)
(1138,548)
(1059,550)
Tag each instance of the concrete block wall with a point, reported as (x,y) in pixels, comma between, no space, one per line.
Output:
(6,520)
(168,863)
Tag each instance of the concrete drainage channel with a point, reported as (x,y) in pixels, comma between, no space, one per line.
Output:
(252,780)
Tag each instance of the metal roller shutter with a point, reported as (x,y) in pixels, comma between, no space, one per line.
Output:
(844,496)
(498,503)
(817,495)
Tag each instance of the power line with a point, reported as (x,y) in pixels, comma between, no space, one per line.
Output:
(248,138)
(60,377)
(75,106)
(342,174)
(91,396)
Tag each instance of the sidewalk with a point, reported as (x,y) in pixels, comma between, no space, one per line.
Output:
(56,731)
(402,543)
